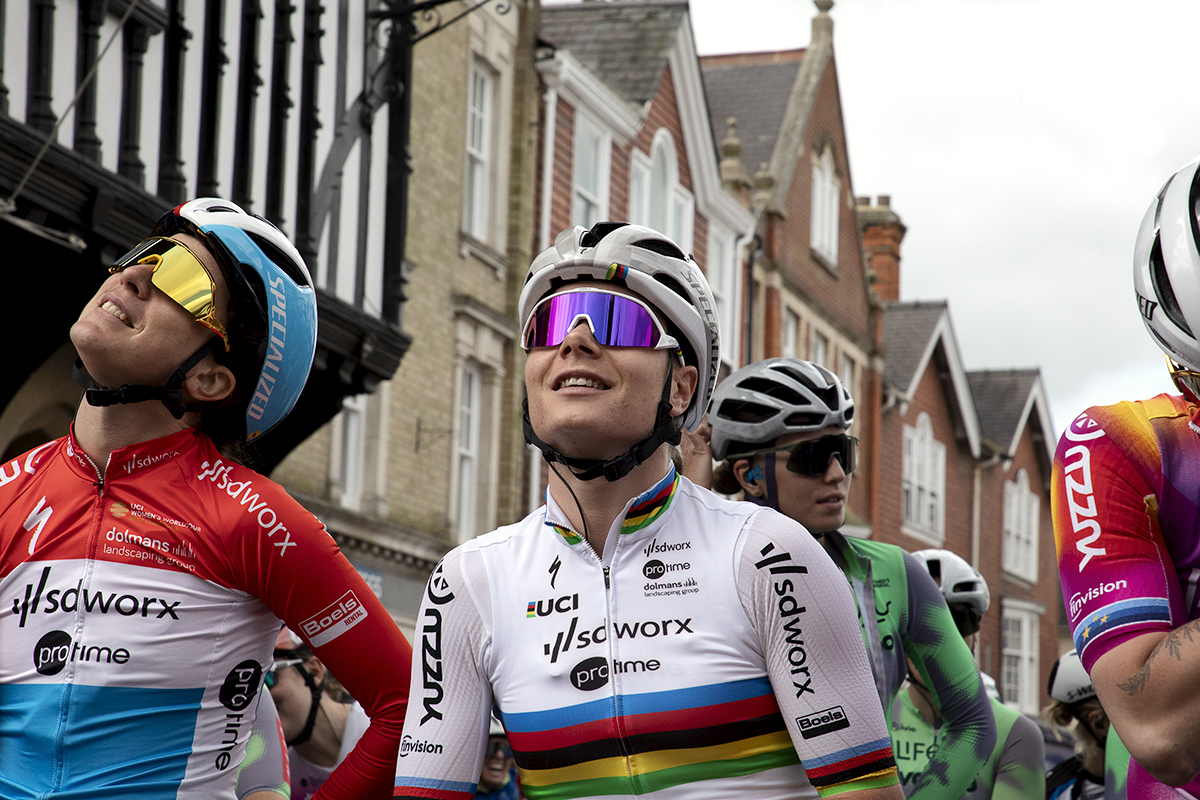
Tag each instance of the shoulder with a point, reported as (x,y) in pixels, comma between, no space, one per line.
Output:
(1124,423)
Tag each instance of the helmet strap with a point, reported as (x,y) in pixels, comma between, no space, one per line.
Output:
(771,499)
(314,687)
(666,431)
(171,393)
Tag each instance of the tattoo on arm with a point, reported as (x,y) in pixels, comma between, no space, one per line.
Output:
(1172,644)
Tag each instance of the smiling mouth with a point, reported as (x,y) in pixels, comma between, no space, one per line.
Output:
(111,308)
(588,383)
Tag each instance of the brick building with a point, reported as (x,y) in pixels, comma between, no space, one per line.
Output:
(805,284)
(965,466)
(435,455)
(625,135)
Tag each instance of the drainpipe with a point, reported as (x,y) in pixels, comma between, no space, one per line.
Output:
(548,133)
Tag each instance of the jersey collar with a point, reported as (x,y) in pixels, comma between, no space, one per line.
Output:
(136,458)
(641,512)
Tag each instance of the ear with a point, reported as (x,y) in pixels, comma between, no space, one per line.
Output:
(210,381)
(741,470)
(683,387)
(315,668)
(1098,721)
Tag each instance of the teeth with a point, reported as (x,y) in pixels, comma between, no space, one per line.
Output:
(591,384)
(116,312)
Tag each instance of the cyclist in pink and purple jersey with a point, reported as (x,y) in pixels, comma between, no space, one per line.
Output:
(1125,494)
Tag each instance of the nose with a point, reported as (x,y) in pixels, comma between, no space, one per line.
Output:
(834,472)
(138,278)
(581,337)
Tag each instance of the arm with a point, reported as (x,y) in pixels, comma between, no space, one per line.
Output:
(263,773)
(1123,598)
(800,605)
(946,666)
(1021,770)
(445,735)
(311,586)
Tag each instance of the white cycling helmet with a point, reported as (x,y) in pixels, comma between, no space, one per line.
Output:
(1166,272)
(771,398)
(653,267)
(649,264)
(1069,682)
(961,585)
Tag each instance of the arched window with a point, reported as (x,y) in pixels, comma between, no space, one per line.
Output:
(656,198)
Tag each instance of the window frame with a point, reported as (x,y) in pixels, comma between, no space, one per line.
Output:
(597,196)
(825,216)
(923,482)
(1020,684)
(467,452)
(1021,526)
(479,158)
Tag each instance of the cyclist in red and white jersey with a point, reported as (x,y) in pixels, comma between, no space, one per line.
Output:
(143,570)
(1126,507)
(638,635)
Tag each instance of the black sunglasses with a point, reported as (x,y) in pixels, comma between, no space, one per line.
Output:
(812,457)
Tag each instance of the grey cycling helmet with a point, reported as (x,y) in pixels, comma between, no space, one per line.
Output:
(1069,682)
(771,398)
(1166,272)
(961,585)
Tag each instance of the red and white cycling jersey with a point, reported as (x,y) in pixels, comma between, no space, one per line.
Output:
(714,651)
(138,613)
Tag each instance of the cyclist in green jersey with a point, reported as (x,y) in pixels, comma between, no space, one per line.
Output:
(1016,769)
(780,427)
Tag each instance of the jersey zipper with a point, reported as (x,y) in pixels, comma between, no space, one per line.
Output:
(77,631)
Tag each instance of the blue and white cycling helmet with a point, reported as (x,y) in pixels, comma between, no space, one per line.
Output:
(269,281)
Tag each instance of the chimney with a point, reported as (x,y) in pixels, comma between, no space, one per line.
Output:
(882,232)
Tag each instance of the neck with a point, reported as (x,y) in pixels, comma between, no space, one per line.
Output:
(100,431)
(600,500)
(325,744)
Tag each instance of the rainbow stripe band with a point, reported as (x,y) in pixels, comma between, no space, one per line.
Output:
(616,272)
(648,508)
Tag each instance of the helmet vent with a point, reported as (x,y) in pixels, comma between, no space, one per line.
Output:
(773,389)
(802,420)
(1162,287)
(741,411)
(828,393)
(279,258)
(599,231)
(662,247)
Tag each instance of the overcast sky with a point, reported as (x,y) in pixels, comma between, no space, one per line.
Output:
(1021,142)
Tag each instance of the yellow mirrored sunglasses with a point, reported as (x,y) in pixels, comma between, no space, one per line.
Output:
(181,276)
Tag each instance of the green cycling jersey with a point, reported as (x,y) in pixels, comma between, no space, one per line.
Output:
(1015,770)
(904,616)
